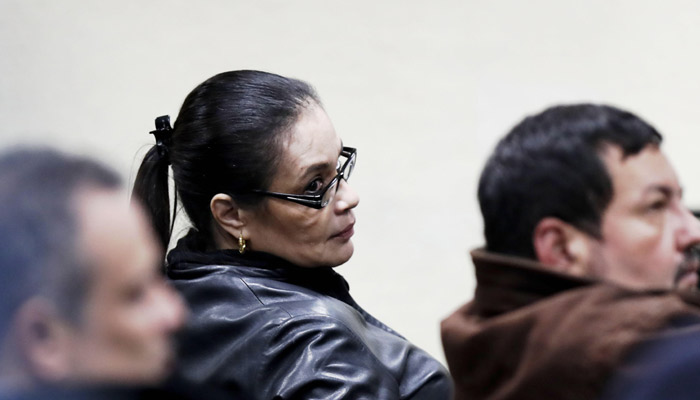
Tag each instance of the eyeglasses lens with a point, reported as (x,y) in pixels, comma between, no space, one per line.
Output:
(344,172)
(349,168)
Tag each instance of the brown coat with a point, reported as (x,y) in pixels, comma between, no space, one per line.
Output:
(530,333)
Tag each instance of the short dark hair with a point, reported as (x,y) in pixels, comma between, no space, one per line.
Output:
(39,229)
(549,165)
(227,139)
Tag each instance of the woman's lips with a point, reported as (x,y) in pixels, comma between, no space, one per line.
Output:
(346,233)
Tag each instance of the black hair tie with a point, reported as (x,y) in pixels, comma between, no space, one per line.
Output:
(163,134)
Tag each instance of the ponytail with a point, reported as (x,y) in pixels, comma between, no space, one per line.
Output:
(151,184)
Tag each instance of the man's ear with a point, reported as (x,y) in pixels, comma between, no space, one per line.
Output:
(561,246)
(227,215)
(44,339)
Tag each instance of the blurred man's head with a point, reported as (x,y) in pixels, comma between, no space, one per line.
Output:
(83,299)
(585,189)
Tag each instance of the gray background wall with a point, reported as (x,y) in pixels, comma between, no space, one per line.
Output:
(423,89)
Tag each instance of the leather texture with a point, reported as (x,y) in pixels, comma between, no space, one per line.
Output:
(277,331)
(531,333)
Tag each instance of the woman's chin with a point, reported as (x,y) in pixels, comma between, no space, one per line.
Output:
(341,256)
(347,252)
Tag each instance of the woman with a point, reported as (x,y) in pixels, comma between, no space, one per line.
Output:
(262,175)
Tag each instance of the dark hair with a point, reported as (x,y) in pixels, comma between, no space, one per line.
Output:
(38,228)
(549,165)
(227,139)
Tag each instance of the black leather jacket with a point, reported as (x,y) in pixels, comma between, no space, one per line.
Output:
(277,331)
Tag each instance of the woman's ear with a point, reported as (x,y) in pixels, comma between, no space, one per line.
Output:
(561,246)
(45,340)
(227,215)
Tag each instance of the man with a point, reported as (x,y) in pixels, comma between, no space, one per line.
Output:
(586,235)
(82,297)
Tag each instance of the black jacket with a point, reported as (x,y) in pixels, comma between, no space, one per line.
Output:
(277,331)
(175,388)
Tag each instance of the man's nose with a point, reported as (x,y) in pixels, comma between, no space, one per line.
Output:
(689,234)
(171,308)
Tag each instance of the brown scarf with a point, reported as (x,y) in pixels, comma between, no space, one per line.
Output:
(530,333)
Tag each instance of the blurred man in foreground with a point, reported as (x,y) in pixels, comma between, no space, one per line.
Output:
(82,300)
(586,240)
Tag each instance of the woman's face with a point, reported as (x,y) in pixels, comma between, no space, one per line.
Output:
(305,236)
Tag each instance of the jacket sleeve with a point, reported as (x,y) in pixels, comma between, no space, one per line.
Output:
(319,357)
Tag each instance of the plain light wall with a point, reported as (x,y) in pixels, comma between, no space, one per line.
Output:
(423,89)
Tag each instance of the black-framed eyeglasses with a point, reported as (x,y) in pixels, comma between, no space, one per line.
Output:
(322,199)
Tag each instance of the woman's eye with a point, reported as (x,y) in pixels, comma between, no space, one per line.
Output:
(314,187)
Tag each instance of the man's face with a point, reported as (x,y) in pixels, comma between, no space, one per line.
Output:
(130,311)
(646,230)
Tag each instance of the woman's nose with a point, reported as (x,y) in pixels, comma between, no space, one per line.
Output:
(346,198)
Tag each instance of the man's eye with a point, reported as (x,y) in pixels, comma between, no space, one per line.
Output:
(135,294)
(314,187)
(658,205)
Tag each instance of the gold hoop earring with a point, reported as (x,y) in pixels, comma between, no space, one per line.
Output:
(241,244)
